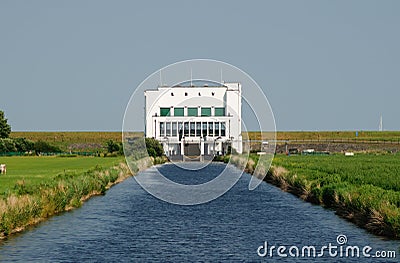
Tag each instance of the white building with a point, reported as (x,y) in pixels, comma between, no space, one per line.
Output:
(195,121)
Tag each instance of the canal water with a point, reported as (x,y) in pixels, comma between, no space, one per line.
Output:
(130,225)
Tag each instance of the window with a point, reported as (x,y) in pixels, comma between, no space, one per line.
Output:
(180,130)
(192,112)
(168,128)
(219,112)
(162,130)
(204,128)
(217,129)
(178,111)
(174,129)
(198,129)
(192,129)
(205,111)
(210,129)
(165,111)
(186,129)
(223,131)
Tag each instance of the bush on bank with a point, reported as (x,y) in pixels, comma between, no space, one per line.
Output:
(135,148)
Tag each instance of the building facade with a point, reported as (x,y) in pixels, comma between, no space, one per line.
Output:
(195,121)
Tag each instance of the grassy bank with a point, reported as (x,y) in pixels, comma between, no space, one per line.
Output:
(328,135)
(364,189)
(43,187)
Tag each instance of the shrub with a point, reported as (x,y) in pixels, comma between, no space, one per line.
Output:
(113,154)
(121,149)
(24,145)
(154,147)
(328,196)
(112,146)
(7,145)
(41,146)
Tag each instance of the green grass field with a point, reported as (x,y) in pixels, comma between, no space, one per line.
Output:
(36,170)
(381,171)
(365,184)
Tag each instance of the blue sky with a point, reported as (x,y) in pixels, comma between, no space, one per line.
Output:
(324,65)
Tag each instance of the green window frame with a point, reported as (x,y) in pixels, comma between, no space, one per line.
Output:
(179,112)
(165,111)
(219,112)
(192,112)
(205,112)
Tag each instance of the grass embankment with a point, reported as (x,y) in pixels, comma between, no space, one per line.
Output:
(327,135)
(37,187)
(73,141)
(365,189)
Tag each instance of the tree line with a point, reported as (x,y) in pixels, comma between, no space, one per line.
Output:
(8,144)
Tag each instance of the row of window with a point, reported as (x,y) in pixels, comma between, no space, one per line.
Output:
(186,94)
(192,129)
(192,111)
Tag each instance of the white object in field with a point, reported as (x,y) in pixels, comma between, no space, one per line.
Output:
(261,153)
(348,154)
(309,151)
(3,169)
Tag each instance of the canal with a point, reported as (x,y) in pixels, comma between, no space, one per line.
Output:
(130,225)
